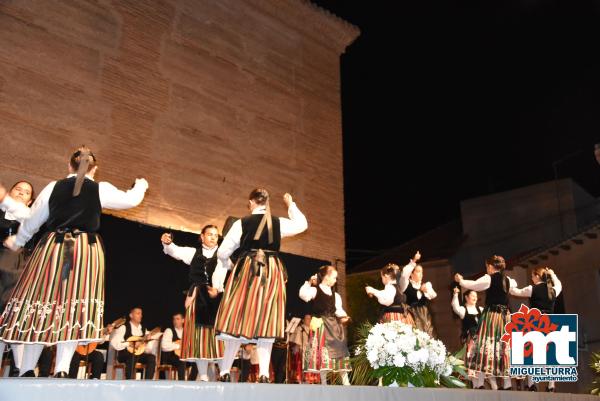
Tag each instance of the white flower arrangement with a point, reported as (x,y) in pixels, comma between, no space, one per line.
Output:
(400,353)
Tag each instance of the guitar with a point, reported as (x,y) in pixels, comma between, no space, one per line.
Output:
(137,344)
(87,349)
(178,350)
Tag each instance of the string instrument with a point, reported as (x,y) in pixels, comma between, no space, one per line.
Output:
(178,350)
(137,344)
(91,347)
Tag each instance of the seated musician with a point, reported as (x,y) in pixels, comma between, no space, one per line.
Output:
(124,348)
(94,357)
(171,346)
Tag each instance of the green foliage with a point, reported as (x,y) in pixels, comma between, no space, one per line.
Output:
(362,372)
(595,365)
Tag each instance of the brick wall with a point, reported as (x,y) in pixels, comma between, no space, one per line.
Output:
(206,99)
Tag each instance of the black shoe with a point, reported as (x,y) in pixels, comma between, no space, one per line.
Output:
(479,388)
(61,375)
(533,387)
(226,378)
(264,379)
(29,373)
(550,389)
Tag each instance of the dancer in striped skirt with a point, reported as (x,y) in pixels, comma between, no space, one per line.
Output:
(392,297)
(489,356)
(418,295)
(542,295)
(469,313)
(327,349)
(253,306)
(199,343)
(59,298)
(14,209)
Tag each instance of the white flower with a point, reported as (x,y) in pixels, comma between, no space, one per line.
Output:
(399,360)
(372,356)
(400,345)
(423,355)
(413,358)
(391,348)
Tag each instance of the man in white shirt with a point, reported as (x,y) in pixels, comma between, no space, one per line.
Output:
(171,342)
(119,342)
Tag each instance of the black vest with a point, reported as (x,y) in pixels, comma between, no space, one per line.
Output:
(496,294)
(202,268)
(7,227)
(201,271)
(323,304)
(399,302)
(249,225)
(128,330)
(470,322)
(175,336)
(412,297)
(81,212)
(540,298)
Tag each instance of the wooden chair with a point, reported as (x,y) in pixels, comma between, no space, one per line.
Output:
(123,368)
(88,368)
(170,371)
(235,374)
(4,365)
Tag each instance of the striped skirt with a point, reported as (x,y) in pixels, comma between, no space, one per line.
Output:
(405,318)
(253,305)
(199,342)
(60,294)
(422,318)
(327,350)
(486,353)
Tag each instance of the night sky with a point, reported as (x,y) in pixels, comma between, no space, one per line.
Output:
(447,100)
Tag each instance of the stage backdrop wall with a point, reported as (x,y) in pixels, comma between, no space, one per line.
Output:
(205,98)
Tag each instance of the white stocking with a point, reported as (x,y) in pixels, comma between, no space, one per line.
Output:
(31,354)
(263,349)
(64,354)
(231,350)
(202,370)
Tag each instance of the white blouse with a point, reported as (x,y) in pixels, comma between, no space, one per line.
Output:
(484,282)
(527,291)
(386,296)
(294,225)
(405,281)
(461,311)
(186,255)
(308,293)
(110,198)
(15,210)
